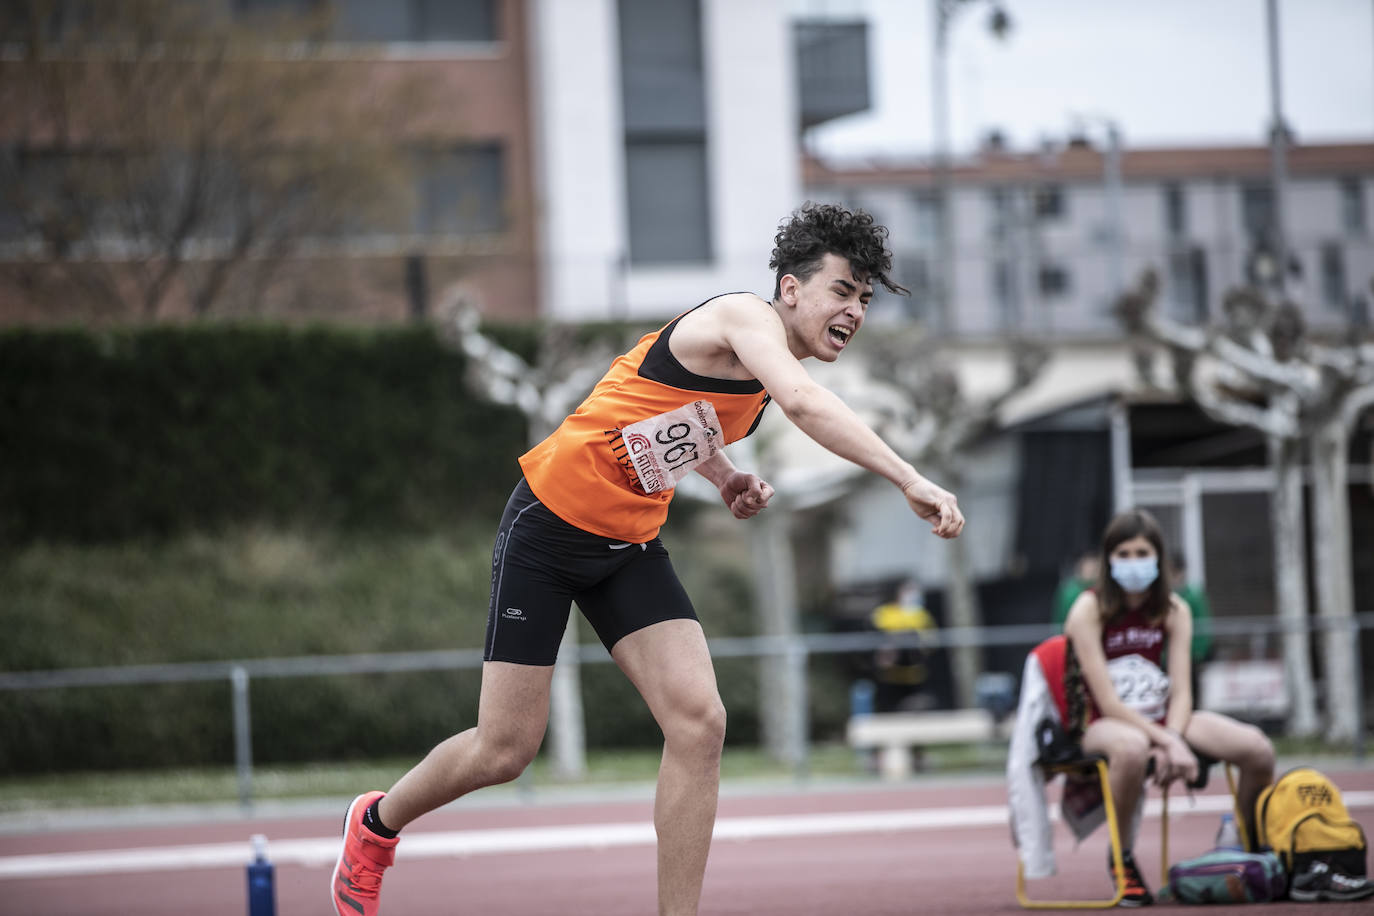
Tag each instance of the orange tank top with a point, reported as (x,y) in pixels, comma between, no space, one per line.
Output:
(611,467)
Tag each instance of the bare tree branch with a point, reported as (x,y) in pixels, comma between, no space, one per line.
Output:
(152,135)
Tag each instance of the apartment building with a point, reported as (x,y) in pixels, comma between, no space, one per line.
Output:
(581,159)
(604,159)
(669,144)
(449,81)
(1042,240)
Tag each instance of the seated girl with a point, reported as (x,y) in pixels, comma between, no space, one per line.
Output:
(1120,632)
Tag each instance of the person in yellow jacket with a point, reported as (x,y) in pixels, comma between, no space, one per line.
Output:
(901,671)
(583,523)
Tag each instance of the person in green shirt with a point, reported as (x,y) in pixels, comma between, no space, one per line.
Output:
(1196,599)
(1083,576)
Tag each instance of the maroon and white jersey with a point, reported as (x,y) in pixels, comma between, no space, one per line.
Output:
(1132,634)
(1135,649)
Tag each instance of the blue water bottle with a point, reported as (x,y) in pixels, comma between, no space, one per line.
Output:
(861,694)
(1228,837)
(262,882)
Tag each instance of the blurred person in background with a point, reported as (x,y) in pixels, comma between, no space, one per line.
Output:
(1196,599)
(900,672)
(1124,706)
(1081,577)
(582,525)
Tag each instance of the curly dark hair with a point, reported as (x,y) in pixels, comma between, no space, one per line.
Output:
(814,231)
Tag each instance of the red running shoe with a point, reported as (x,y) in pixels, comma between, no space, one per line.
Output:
(357,879)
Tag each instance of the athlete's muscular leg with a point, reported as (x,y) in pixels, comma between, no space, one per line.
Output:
(1127,749)
(670,665)
(1238,743)
(512,714)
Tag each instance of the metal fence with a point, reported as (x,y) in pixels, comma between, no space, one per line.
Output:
(797,652)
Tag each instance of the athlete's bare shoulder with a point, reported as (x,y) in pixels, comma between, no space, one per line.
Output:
(700,340)
(736,306)
(1085,608)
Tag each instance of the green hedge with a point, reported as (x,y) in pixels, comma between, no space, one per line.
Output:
(156,430)
(195,493)
(255,592)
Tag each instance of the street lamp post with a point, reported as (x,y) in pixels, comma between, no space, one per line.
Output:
(999,23)
(1111,176)
(1278,151)
(1115,228)
(943,274)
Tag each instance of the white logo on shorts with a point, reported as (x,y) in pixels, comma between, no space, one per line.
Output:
(514,613)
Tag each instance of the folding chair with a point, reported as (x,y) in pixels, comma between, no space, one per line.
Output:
(1039,753)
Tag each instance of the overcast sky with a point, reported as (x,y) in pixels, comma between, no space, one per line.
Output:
(1169,72)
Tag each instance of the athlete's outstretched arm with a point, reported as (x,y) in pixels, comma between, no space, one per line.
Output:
(759,340)
(745,494)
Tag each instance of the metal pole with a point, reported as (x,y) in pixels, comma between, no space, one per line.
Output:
(1194,554)
(1112,180)
(939,107)
(567,721)
(798,658)
(243,735)
(1123,490)
(1278,148)
(1358,673)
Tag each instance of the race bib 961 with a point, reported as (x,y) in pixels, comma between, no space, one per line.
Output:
(663,449)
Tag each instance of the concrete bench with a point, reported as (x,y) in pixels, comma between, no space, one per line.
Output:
(896,734)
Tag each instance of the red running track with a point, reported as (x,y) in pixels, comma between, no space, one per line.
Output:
(925,846)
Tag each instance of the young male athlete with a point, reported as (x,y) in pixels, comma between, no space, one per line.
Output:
(582,525)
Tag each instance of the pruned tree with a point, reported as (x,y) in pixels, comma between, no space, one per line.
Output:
(156,153)
(1259,368)
(934,424)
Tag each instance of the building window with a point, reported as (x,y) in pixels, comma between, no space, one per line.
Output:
(1000,211)
(1188,282)
(1175,211)
(913,272)
(1333,276)
(454,20)
(669,219)
(460,191)
(664,99)
(832,69)
(403,20)
(1006,295)
(1054,281)
(928,218)
(1352,207)
(1257,211)
(275,6)
(1050,202)
(72,197)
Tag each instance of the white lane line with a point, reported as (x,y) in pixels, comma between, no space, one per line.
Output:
(319,852)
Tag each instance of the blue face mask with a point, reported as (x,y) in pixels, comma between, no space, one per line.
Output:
(1137,574)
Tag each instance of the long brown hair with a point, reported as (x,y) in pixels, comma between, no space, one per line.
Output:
(1111,597)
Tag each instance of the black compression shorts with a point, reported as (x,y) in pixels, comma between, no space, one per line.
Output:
(541,564)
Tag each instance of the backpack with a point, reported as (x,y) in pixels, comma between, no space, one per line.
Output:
(1302,818)
(1227,876)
